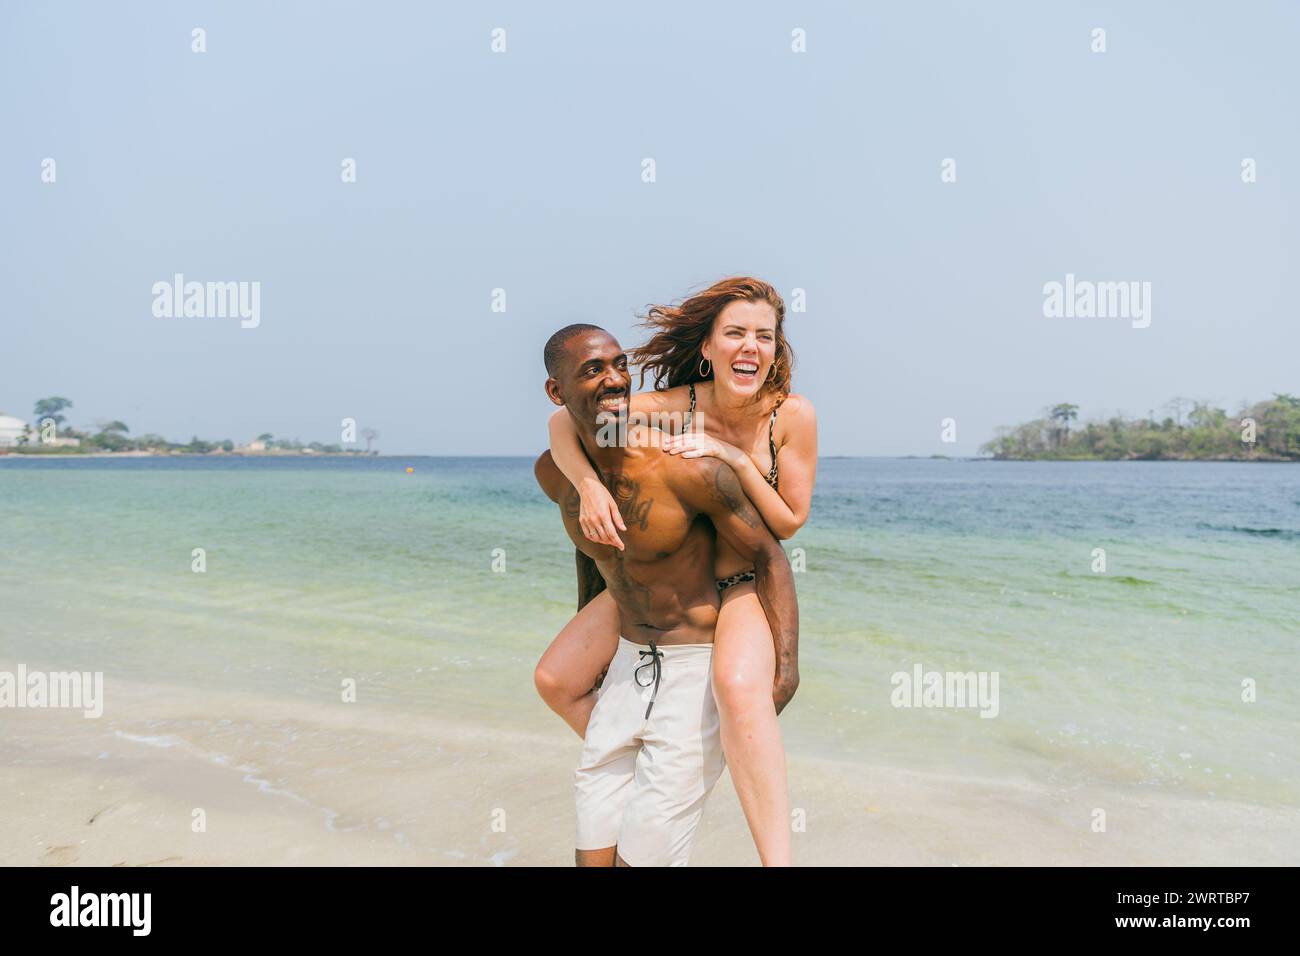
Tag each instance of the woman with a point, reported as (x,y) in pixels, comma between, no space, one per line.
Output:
(720,362)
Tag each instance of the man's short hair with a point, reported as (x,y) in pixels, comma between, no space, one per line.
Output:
(553,354)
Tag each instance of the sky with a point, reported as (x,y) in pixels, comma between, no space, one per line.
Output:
(522,170)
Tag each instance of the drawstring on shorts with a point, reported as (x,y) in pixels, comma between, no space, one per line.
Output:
(655,656)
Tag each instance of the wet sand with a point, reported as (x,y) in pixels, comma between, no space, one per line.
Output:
(285,782)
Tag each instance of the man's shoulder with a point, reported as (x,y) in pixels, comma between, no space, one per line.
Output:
(697,479)
(712,488)
(548,475)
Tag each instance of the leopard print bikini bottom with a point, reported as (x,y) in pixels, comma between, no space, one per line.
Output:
(738,578)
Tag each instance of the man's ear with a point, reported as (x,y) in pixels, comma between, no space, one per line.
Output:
(552,388)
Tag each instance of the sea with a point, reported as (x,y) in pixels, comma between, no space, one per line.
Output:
(1139,620)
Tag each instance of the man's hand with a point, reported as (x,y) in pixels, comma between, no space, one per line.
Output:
(783,687)
(598,515)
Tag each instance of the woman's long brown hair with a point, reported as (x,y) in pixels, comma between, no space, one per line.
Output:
(672,355)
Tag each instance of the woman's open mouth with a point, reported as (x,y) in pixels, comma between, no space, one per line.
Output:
(745,371)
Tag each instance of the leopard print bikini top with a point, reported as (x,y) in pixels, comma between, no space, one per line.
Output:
(771,433)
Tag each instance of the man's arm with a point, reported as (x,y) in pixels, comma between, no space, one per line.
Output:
(548,475)
(712,488)
(552,481)
(590,581)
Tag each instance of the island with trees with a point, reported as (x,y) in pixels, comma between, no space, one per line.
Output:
(1191,431)
(52,435)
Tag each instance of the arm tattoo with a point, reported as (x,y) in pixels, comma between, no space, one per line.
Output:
(726,489)
(572,502)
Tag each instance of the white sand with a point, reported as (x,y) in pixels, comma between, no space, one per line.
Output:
(288,782)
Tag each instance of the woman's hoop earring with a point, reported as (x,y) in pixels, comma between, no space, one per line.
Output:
(703,373)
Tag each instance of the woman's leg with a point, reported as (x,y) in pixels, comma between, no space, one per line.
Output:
(744,666)
(567,673)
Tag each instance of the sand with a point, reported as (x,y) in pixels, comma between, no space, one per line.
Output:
(292,782)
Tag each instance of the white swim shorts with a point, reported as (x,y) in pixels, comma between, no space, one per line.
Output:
(642,780)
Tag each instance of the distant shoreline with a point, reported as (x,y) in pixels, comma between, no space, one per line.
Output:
(5,453)
(1260,459)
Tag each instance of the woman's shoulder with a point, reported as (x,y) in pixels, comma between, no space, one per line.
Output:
(796,413)
(797,407)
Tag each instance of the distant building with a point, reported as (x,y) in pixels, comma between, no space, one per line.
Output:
(257,446)
(12,430)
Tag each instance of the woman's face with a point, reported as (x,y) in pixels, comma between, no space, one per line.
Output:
(742,347)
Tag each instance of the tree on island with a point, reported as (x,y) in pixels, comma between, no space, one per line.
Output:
(1065,413)
(51,408)
(1176,405)
(112,436)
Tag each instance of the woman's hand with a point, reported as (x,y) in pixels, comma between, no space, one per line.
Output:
(598,515)
(701,445)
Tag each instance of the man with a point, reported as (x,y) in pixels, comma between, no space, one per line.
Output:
(653,751)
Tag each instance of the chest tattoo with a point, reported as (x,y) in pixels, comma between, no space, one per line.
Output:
(632,504)
(627,496)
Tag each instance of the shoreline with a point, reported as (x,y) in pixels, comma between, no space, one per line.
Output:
(189,454)
(287,782)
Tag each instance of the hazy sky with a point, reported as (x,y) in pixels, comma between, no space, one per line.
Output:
(523,170)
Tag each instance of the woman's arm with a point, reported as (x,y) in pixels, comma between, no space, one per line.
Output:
(786,511)
(597,514)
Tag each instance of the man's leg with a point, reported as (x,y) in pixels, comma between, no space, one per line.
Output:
(575,660)
(603,782)
(605,857)
(680,761)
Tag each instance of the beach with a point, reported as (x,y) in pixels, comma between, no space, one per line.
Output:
(281,784)
(1122,734)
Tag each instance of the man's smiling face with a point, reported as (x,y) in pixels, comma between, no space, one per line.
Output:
(595,380)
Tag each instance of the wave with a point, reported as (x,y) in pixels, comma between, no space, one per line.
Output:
(1285,533)
(1113,578)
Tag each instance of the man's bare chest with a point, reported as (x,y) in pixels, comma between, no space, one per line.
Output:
(657,522)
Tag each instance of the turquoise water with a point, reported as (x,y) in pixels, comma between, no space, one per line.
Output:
(323,569)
